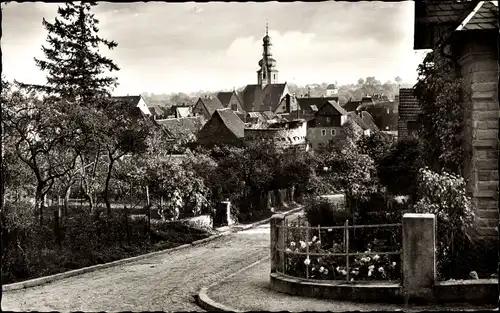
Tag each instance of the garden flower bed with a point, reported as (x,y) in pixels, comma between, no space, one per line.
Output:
(327,255)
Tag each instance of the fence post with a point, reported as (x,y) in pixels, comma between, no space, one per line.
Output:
(346,238)
(307,249)
(419,255)
(57,229)
(276,230)
(125,212)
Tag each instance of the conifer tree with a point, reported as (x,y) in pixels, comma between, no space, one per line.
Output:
(75,68)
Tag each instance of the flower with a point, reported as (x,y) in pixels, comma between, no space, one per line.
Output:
(307,261)
(370,273)
(352,279)
(321,269)
(393,264)
(337,269)
(313,269)
(288,250)
(325,271)
(302,244)
(318,242)
(381,269)
(368,259)
(344,272)
(292,244)
(354,272)
(329,229)
(314,238)
(376,257)
(371,267)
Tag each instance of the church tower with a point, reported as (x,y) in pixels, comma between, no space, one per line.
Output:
(267,74)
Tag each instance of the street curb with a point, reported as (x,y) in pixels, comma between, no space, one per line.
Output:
(48,279)
(205,302)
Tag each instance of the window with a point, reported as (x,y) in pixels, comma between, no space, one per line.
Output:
(274,76)
(333,132)
(323,132)
(234,106)
(328,120)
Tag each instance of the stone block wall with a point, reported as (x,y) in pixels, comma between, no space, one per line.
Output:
(479,69)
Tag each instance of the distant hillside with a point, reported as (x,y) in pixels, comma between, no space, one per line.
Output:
(364,86)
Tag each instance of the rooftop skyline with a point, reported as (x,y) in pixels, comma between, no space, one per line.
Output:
(187,47)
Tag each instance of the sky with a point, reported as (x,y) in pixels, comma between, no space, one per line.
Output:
(187,47)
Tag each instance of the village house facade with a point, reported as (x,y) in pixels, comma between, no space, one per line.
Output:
(408,112)
(465,33)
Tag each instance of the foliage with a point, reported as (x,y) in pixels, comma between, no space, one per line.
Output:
(399,169)
(445,196)
(439,91)
(376,146)
(73,62)
(321,212)
(348,171)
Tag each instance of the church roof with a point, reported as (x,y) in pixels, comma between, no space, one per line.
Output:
(231,121)
(256,98)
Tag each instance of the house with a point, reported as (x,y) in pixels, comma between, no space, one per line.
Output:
(224,127)
(261,118)
(134,101)
(352,105)
(206,106)
(466,33)
(332,91)
(308,106)
(181,111)
(230,100)
(269,97)
(408,111)
(326,124)
(384,113)
(158,111)
(182,129)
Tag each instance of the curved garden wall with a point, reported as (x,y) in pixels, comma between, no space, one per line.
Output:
(329,262)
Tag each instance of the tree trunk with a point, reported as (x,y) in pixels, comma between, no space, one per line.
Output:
(106,186)
(67,193)
(39,203)
(90,200)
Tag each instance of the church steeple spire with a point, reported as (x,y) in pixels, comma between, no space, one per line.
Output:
(268,74)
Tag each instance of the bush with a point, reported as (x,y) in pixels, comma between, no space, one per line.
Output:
(399,169)
(445,196)
(321,212)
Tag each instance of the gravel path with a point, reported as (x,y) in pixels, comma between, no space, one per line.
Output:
(161,283)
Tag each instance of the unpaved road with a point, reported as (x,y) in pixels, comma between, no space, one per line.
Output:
(162,283)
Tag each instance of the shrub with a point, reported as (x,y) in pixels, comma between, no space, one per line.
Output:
(399,169)
(445,196)
(322,212)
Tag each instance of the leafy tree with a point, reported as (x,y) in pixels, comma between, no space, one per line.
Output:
(349,171)
(398,80)
(399,169)
(73,63)
(376,146)
(438,91)
(41,138)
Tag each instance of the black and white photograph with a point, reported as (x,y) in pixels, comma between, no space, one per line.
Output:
(250,156)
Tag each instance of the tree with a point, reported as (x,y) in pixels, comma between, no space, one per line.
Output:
(44,138)
(399,169)
(398,80)
(438,91)
(73,63)
(376,146)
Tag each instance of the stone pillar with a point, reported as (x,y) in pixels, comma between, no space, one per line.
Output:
(478,61)
(419,255)
(276,220)
(227,210)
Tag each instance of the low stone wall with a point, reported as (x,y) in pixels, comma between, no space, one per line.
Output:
(419,283)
